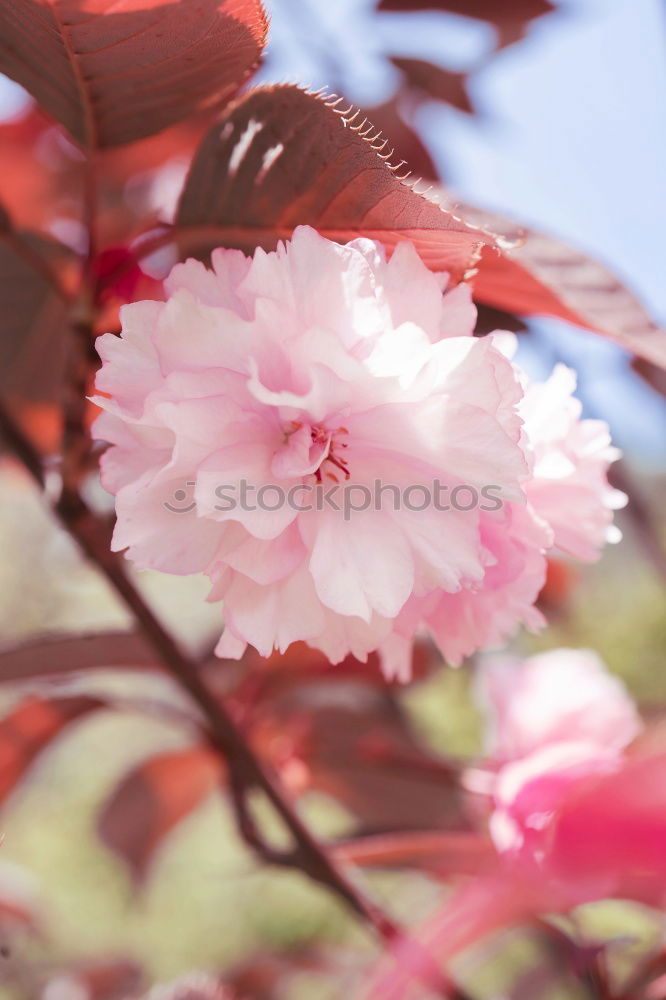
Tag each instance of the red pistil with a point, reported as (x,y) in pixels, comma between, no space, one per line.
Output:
(341,464)
(319,436)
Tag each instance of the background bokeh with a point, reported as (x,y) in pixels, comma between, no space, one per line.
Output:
(569,137)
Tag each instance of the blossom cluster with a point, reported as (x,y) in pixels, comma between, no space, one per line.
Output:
(576,781)
(555,721)
(320,364)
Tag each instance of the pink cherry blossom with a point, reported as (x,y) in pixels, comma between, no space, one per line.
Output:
(487,614)
(554,720)
(569,507)
(560,696)
(606,840)
(569,489)
(609,835)
(325,367)
(579,810)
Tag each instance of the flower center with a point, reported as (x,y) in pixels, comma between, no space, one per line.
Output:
(319,434)
(332,448)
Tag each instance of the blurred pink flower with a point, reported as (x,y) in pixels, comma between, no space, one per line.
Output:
(327,367)
(609,835)
(553,719)
(606,840)
(582,814)
(563,695)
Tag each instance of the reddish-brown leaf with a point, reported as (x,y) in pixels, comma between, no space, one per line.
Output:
(33,317)
(343,732)
(153,799)
(440,851)
(435,81)
(122,70)
(55,655)
(393,119)
(30,727)
(652,374)
(283,157)
(543,276)
(510,19)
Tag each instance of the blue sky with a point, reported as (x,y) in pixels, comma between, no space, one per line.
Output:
(577,146)
(573,141)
